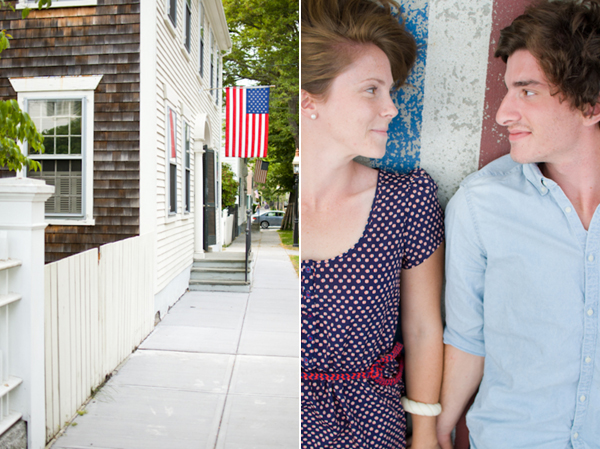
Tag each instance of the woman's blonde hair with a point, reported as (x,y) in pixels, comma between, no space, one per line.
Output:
(334,31)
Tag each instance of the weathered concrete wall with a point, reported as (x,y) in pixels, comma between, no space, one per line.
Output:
(447,109)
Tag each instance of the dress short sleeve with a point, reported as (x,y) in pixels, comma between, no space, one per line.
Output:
(424,220)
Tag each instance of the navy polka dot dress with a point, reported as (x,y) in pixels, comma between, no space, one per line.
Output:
(349,317)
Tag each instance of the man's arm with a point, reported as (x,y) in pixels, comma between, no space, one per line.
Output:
(462,375)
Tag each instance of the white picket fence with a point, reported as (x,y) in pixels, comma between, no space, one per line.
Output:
(7,382)
(99,306)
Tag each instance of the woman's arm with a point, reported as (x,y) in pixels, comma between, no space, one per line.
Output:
(420,293)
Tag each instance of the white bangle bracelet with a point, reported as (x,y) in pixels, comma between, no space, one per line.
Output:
(419,408)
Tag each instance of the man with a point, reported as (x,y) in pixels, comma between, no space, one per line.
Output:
(523,248)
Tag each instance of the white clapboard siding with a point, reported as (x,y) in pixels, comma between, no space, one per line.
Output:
(180,86)
(99,307)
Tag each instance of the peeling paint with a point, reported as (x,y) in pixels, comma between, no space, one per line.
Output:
(404,142)
(454,90)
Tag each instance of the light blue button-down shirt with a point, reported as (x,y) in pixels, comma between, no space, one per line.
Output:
(523,291)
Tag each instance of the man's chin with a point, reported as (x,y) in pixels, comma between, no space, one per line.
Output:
(519,157)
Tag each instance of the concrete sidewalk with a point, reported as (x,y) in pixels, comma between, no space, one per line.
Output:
(220,371)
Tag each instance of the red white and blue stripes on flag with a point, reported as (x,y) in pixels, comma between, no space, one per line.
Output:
(246,121)
(446,122)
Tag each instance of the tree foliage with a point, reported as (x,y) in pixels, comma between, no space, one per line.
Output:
(266,50)
(16,125)
(229,186)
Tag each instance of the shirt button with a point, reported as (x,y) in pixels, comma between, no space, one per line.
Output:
(590,312)
(544,189)
(588,359)
(568,210)
(582,398)
(575,435)
(591,257)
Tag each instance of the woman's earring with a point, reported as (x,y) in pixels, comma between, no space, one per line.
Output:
(314,116)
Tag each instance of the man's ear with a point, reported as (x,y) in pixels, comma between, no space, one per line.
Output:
(308,105)
(592,115)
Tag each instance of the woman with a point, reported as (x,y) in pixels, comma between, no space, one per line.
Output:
(369,238)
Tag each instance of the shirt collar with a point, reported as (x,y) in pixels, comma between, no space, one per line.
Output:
(534,175)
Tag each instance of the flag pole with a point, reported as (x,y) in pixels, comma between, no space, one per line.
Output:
(244,87)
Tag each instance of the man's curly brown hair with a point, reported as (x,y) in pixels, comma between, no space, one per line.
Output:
(564,37)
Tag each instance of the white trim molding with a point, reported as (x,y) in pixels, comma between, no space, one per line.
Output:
(216,16)
(56,3)
(55,83)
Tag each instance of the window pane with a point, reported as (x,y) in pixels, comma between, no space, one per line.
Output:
(75,145)
(46,126)
(188,25)
(76,108)
(59,118)
(62,126)
(35,109)
(62,145)
(202,57)
(62,165)
(48,165)
(187,145)
(49,108)
(187,190)
(172,188)
(173,11)
(66,179)
(49,145)
(76,126)
(62,108)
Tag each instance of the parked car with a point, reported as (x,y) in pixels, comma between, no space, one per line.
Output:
(269,218)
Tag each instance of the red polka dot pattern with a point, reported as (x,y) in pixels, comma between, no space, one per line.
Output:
(349,317)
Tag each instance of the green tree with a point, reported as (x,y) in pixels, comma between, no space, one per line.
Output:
(229,183)
(266,50)
(16,125)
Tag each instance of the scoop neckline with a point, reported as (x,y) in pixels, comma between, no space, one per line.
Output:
(362,236)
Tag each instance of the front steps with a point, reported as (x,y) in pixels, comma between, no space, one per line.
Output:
(221,272)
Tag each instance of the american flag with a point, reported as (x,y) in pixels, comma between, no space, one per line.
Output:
(247,121)
(260,171)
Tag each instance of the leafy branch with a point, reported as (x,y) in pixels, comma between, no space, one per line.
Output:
(15,125)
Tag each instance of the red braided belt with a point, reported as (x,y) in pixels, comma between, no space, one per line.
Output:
(375,372)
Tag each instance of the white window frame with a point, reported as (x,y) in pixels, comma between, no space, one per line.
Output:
(66,88)
(57,3)
(171,208)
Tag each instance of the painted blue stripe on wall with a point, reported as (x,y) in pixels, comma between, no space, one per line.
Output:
(404,133)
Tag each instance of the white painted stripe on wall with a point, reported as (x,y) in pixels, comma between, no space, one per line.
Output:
(455,81)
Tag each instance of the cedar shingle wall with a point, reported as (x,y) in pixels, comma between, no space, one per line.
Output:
(100,40)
